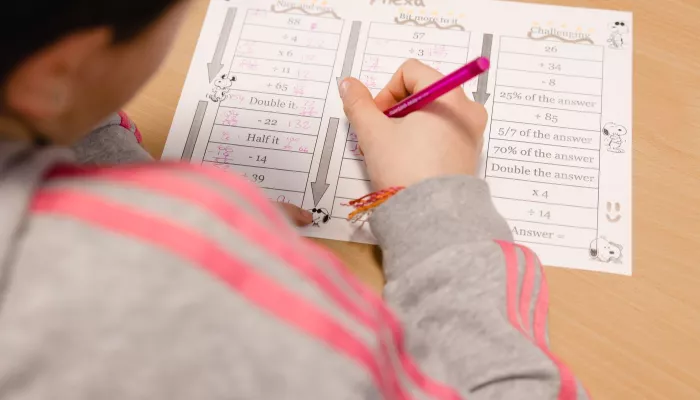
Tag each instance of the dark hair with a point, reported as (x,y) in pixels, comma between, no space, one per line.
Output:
(30,25)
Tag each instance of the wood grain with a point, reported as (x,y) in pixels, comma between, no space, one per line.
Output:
(626,338)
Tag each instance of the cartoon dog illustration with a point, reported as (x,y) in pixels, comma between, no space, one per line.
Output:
(605,251)
(321,216)
(221,88)
(618,34)
(612,134)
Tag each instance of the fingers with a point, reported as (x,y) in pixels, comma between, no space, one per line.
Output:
(413,76)
(296,215)
(359,106)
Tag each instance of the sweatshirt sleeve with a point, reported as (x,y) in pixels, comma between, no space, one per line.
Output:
(116,141)
(473,304)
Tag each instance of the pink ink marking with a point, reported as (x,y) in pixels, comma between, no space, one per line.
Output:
(231,118)
(238,97)
(245,48)
(290,141)
(314,26)
(355,150)
(299,124)
(353,136)
(316,43)
(225,136)
(309,109)
(299,89)
(369,81)
(372,64)
(439,51)
(303,149)
(251,65)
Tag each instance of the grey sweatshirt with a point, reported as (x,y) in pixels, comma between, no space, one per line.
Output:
(163,281)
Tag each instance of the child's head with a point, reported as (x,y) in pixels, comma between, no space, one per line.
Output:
(67,64)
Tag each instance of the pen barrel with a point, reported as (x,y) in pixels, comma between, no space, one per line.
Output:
(431,93)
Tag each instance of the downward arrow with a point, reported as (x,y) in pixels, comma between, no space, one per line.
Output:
(480,95)
(351,50)
(215,65)
(194,130)
(320,187)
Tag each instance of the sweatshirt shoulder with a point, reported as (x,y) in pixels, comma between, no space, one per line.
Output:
(165,257)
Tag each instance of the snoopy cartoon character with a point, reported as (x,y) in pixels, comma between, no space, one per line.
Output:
(612,134)
(222,86)
(605,251)
(618,32)
(321,215)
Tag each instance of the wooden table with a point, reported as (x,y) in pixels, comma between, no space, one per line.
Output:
(626,338)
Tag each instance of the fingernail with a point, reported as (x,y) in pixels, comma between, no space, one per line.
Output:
(307,215)
(343,88)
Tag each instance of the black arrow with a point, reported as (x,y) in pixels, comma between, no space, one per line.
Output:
(320,187)
(480,95)
(215,65)
(194,130)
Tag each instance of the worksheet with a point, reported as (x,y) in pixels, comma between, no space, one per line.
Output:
(261,100)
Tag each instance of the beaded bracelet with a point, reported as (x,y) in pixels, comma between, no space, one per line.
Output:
(366,205)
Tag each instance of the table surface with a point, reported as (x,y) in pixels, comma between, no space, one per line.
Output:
(626,337)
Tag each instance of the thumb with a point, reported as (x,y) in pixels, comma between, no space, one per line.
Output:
(359,107)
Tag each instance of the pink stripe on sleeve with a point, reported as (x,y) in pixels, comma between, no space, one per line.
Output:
(126,124)
(288,248)
(246,281)
(387,316)
(125,121)
(511,284)
(567,383)
(526,292)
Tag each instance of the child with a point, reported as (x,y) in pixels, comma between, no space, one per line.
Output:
(164,281)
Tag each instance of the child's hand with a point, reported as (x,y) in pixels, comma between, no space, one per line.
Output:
(298,216)
(444,138)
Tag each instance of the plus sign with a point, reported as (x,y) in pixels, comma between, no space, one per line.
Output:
(531,212)
(538,116)
(269,85)
(275,69)
(411,51)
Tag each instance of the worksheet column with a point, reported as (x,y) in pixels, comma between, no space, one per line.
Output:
(543,161)
(267,125)
(388,46)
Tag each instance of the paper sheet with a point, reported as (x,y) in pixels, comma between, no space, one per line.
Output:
(261,100)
